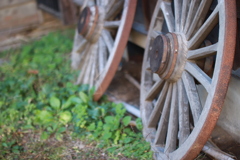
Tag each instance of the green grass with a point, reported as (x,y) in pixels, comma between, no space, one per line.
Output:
(43,114)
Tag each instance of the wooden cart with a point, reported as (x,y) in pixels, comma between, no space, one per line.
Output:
(188,61)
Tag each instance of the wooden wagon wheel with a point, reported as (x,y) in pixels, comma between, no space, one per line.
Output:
(100,40)
(177,121)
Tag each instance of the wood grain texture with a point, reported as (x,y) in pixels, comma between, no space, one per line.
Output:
(22,15)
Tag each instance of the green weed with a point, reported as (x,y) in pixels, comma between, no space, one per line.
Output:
(37,95)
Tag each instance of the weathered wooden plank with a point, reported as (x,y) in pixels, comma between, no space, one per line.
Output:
(19,16)
(11,3)
(69,11)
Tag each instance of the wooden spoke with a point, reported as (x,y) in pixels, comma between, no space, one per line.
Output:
(163,123)
(100,2)
(191,14)
(183,113)
(155,90)
(199,17)
(185,6)
(109,5)
(154,34)
(93,65)
(81,46)
(87,74)
(192,95)
(153,119)
(79,43)
(204,30)
(177,11)
(108,40)
(168,14)
(197,73)
(171,141)
(102,55)
(112,24)
(202,52)
(114,10)
(83,70)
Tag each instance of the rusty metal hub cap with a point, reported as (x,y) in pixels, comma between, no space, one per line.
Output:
(90,23)
(167,56)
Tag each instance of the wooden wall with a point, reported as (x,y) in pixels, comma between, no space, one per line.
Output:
(16,15)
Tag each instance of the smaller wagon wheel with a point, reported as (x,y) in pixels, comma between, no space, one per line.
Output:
(177,120)
(100,40)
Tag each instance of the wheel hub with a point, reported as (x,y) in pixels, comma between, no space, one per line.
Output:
(90,23)
(168,56)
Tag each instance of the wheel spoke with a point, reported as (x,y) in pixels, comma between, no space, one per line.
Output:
(199,17)
(102,57)
(202,52)
(81,46)
(185,7)
(100,2)
(154,34)
(153,119)
(87,74)
(93,65)
(163,123)
(108,40)
(177,10)
(155,90)
(191,14)
(83,69)
(112,24)
(168,15)
(183,113)
(196,72)
(192,94)
(114,9)
(205,29)
(77,58)
(172,132)
(109,5)
(79,43)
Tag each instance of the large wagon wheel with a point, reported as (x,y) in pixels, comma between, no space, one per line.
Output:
(176,120)
(99,44)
